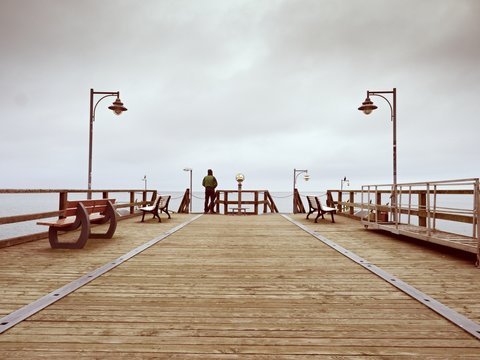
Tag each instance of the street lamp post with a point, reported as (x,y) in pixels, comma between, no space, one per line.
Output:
(117,107)
(343,181)
(145,180)
(367,107)
(295,176)
(190,197)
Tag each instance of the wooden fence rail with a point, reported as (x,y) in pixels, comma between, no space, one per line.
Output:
(230,198)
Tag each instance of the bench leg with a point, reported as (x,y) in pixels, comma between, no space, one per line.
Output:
(143,215)
(166,212)
(53,238)
(110,216)
(81,221)
(309,213)
(333,220)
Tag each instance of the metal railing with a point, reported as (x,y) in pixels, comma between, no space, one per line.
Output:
(446,212)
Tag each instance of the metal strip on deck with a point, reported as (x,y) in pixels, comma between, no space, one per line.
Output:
(23,313)
(463,322)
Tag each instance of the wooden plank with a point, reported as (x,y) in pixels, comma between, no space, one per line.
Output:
(228,287)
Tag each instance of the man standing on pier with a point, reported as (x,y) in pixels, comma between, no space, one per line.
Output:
(209,183)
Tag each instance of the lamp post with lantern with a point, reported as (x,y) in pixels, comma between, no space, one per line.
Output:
(117,107)
(190,170)
(306,177)
(367,107)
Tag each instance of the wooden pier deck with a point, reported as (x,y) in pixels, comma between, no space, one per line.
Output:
(246,287)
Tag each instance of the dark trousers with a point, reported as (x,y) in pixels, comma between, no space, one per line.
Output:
(209,199)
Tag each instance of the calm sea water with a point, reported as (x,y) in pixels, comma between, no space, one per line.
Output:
(18,204)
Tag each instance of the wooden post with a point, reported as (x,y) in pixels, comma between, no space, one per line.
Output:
(256,203)
(330,201)
(105,195)
(352,201)
(132,200)
(184,207)
(422,209)
(225,204)
(297,202)
(62,202)
(217,201)
(378,201)
(144,198)
(339,202)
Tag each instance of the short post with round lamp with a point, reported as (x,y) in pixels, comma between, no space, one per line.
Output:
(239,177)
(344,181)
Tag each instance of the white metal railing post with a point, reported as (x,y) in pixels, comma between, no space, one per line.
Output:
(476,219)
(434,207)
(409,204)
(427,208)
(398,204)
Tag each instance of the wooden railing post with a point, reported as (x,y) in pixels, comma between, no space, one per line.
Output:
(378,202)
(184,207)
(132,201)
(352,200)
(339,202)
(422,208)
(62,202)
(217,201)
(329,200)
(225,204)
(297,202)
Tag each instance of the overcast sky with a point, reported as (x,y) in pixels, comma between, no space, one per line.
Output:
(253,86)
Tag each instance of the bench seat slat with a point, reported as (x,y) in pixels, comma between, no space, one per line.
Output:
(59,223)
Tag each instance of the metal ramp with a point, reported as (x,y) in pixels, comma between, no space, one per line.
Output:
(440,212)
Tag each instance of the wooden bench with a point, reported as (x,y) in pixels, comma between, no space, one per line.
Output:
(160,204)
(82,213)
(316,205)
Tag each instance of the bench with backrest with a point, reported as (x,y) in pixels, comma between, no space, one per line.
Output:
(160,204)
(316,205)
(81,214)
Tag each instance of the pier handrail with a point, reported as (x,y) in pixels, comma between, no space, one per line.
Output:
(424,211)
(222,198)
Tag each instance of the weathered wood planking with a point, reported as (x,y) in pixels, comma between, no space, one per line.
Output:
(447,274)
(237,287)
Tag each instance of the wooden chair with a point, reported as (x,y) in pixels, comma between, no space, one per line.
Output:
(160,204)
(316,205)
(325,210)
